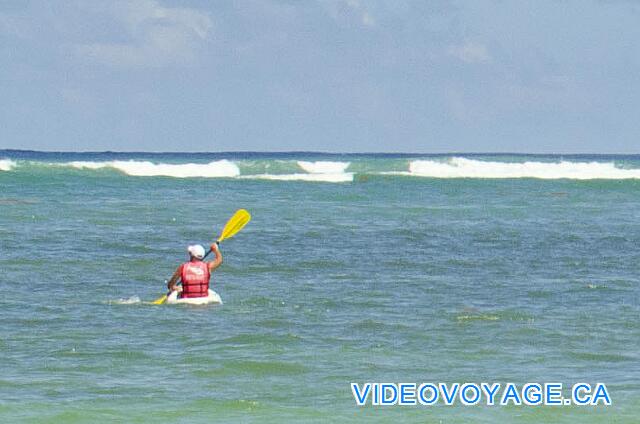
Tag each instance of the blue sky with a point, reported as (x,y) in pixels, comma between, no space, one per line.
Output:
(337,75)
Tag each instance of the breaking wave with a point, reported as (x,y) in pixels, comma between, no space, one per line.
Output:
(276,168)
(458,167)
(324,167)
(320,171)
(6,164)
(315,171)
(217,169)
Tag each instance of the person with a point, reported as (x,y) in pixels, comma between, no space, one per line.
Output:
(195,274)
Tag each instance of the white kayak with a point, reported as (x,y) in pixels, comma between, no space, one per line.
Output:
(213,297)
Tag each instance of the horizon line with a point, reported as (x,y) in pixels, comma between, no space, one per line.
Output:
(317,152)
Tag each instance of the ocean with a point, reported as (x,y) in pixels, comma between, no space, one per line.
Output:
(355,268)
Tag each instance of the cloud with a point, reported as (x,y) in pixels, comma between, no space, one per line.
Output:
(155,35)
(470,52)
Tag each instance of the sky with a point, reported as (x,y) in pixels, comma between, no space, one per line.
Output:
(432,76)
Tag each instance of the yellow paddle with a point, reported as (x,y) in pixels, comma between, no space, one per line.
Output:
(233,225)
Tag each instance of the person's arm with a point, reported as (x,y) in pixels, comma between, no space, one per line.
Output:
(171,285)
(217,261)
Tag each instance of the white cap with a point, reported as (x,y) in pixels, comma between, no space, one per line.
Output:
(196,250)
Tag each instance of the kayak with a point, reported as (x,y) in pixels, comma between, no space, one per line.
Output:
(213,297)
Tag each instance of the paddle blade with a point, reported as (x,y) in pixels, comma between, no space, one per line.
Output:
(160,300)
(235,224)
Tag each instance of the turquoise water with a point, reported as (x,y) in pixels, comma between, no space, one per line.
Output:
(382,275)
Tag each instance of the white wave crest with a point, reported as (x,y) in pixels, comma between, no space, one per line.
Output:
(327,178)
(468,168)
(216,169)
(130,301)
(320,171)
(7,165)
(324,167)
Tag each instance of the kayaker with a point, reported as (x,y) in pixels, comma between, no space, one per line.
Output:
(195,274)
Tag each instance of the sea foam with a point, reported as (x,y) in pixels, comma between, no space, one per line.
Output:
(327,178)
(128,301)
(320,171)
(458,167)
(324,167)
(216,169)
(7,165)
